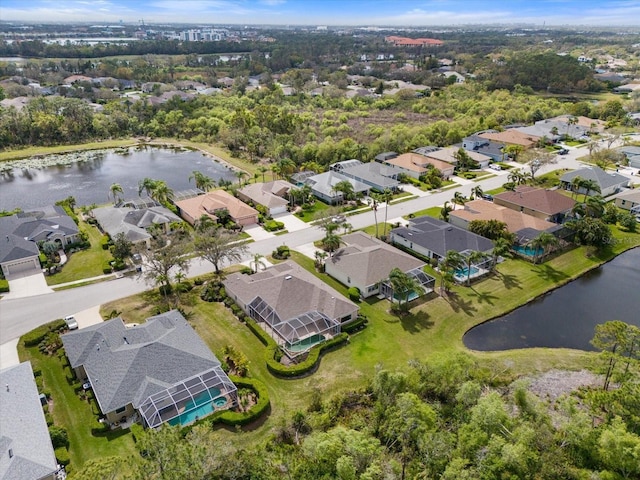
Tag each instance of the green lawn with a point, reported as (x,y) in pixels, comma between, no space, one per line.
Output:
(31,151)
(77,416)
(86,263)
(309,215)
(431,211)
(483,176)
(434,327)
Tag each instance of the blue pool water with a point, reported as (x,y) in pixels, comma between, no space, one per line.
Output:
(528,251)
(305,344)
(199,407)
(412,296)
(462,273)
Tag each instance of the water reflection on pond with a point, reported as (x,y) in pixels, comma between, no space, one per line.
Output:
(89,180)
(567,316)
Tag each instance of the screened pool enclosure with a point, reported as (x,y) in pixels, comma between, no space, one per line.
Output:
(295,335)
(427,282)
(189,400)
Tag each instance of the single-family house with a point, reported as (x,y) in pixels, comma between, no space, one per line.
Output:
(519,223)
(270,195)
(592,125)
(134,223)
(24,232)
(433,238)
(365,263)
(25,444)
(378,176)
(632,154)
(296,308)
(322,186)
(384,156)
(538,202)
(191,209)
(511,137)
(609,183)
(415,165)
(459,78)
(629,200)
(299,178)
(157,372)
(448,155)
(493,150)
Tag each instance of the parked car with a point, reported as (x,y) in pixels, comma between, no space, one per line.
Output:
(495,166)
(338,219)
(86,385)
(72,323)
(563,151)
(488,197)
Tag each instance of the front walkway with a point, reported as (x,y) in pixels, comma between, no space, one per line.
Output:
(27,285)
(257,233)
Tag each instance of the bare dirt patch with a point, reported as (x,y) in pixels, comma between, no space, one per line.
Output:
(553,384)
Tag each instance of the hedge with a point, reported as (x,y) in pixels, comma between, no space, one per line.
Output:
(356,325)
(107,268)
(255,412)
(62,456)
(273,225)
(354,294)
(4,285)
(34,337)
(276,368)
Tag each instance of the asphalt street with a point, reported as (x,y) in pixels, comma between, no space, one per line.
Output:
(20,315)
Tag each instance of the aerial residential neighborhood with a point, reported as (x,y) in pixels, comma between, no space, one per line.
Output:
(280,246)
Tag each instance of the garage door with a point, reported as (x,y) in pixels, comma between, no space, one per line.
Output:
(23,266)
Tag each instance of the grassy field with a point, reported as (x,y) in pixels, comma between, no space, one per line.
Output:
(86,263)
(431,211)
(78,416)
(309,215)
(16,154)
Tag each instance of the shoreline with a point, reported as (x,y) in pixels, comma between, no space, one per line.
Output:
(562,283)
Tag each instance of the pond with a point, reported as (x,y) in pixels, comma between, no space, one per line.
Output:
(567,316)
(88,175)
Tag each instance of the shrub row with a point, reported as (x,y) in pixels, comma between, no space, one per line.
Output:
(308,364)
(107,268)
(273,225)
(4,285)
(34,337)
(356,325)
(255,412)
(62,456)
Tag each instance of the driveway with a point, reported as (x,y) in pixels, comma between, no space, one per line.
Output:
(88,317)
(257,232)
(9,354)
(291,222)
(27,285)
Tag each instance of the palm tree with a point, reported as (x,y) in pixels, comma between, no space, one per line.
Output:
(161,192)
(275,171)
(116,190)
(403,286)
(576,183)
(444,212)
(541,243)
(204,223)
(386,196)
(320,257)
(240,174)
(346,188)
(458,199)
(262,170)
(517,177)
(373,203)
(202,181)
(476,192)
(452,262)
(347,227)
(593,207)
(501,248)
(305,193)
(472,259)
(147,185)
(287,166)
(331,242)
(590,186)
(257,262)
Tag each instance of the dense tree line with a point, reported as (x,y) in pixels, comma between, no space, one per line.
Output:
(448,418)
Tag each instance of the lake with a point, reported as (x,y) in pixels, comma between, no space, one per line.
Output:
(567,316)
(89,180)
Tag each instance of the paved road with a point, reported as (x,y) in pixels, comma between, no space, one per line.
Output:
(18,316)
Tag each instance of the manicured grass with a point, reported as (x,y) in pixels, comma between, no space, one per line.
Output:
(79,417)
(431,211)
(483,176)
(86,263)
(309,215)
(495,191)
(371,229)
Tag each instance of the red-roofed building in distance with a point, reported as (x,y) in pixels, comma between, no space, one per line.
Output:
(413,42)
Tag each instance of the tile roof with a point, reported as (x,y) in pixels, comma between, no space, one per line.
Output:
(23,428)
(602,178)
(541,200)
(515,220)
(440,237)
(208,203)
(417,162)
(290,290)
(511,137)
(269,194)
(128,364)
(368,260)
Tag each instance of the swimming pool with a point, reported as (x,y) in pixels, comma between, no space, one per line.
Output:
(463,273)
(528,251)
(305,343)
(201,406)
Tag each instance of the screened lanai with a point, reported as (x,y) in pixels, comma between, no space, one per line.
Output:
(426,281)
(295,335)
(189,400)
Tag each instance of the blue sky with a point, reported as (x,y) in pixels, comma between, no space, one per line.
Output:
(328,12)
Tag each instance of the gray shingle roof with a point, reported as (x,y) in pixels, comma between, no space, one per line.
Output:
(268,194)
(376,174)
(133,222)
(368,260)
(440,237)
(23,428)
(323,183)
(290,291)
(126,365)
(602,178)
(13,248)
